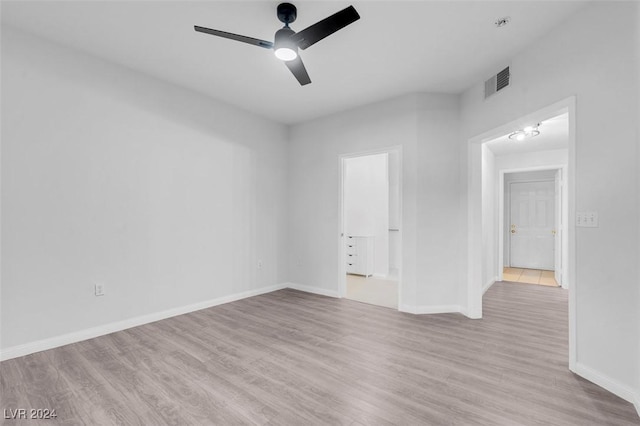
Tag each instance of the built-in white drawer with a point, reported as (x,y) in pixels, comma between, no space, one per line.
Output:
(359,255)
(352,266)
(352,245)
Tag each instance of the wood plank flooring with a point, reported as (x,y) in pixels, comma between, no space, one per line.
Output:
(292,358)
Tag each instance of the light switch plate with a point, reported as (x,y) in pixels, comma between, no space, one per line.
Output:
(587,219)
(99,289)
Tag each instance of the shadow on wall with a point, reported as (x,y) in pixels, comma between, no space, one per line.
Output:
(171,102)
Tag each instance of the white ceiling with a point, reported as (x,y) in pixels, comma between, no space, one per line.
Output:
(395,48)
(554,134)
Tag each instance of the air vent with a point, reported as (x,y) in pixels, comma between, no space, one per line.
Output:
(496,83)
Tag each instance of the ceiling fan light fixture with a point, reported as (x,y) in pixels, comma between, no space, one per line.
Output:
(285,54)
(284,48)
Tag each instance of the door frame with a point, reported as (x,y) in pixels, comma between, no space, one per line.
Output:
(342,270)
(475,229)
(502,218)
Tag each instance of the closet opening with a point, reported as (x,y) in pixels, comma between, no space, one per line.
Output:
(370,228)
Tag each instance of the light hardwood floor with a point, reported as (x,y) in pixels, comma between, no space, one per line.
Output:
(376,291)
(529,276)
(293,358)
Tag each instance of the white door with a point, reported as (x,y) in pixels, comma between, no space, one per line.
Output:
(532,227)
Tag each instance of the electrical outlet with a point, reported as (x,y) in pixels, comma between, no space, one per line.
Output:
(99,289)
(259,264)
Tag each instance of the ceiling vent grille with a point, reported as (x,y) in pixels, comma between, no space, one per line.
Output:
(497,83)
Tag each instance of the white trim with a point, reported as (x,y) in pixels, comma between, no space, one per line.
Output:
(90,333)
(407,309)
(436,309)
(315,290)
(613,386)
(464,312)
(489,283)
(570,268)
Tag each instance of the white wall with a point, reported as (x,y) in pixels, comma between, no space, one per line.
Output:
(577,59)
(425,127)
(440,218)
(314,187)
(530,160)
(366,204)
(109,176)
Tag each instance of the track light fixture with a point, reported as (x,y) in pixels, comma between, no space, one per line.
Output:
(526,133)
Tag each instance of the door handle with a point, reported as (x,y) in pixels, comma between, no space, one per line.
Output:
(553,232)
(513,229)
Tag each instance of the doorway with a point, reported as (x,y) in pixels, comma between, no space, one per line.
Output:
(370,227)
(486,217)
(532,227)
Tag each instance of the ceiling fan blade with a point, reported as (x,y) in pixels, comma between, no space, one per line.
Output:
(316,32)
(244,39)
(299,71)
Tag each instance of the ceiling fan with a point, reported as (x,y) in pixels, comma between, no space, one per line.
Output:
(286,41)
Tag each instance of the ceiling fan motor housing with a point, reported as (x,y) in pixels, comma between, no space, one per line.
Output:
(282,37)
(287,13)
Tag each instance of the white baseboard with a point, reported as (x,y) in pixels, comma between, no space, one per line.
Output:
(90,333)
(409,309)
(488,284)
(436,309)
(314,290)
(463,311)
(619,389)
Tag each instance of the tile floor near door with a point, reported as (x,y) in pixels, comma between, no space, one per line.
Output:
(375,291)
(529,276)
